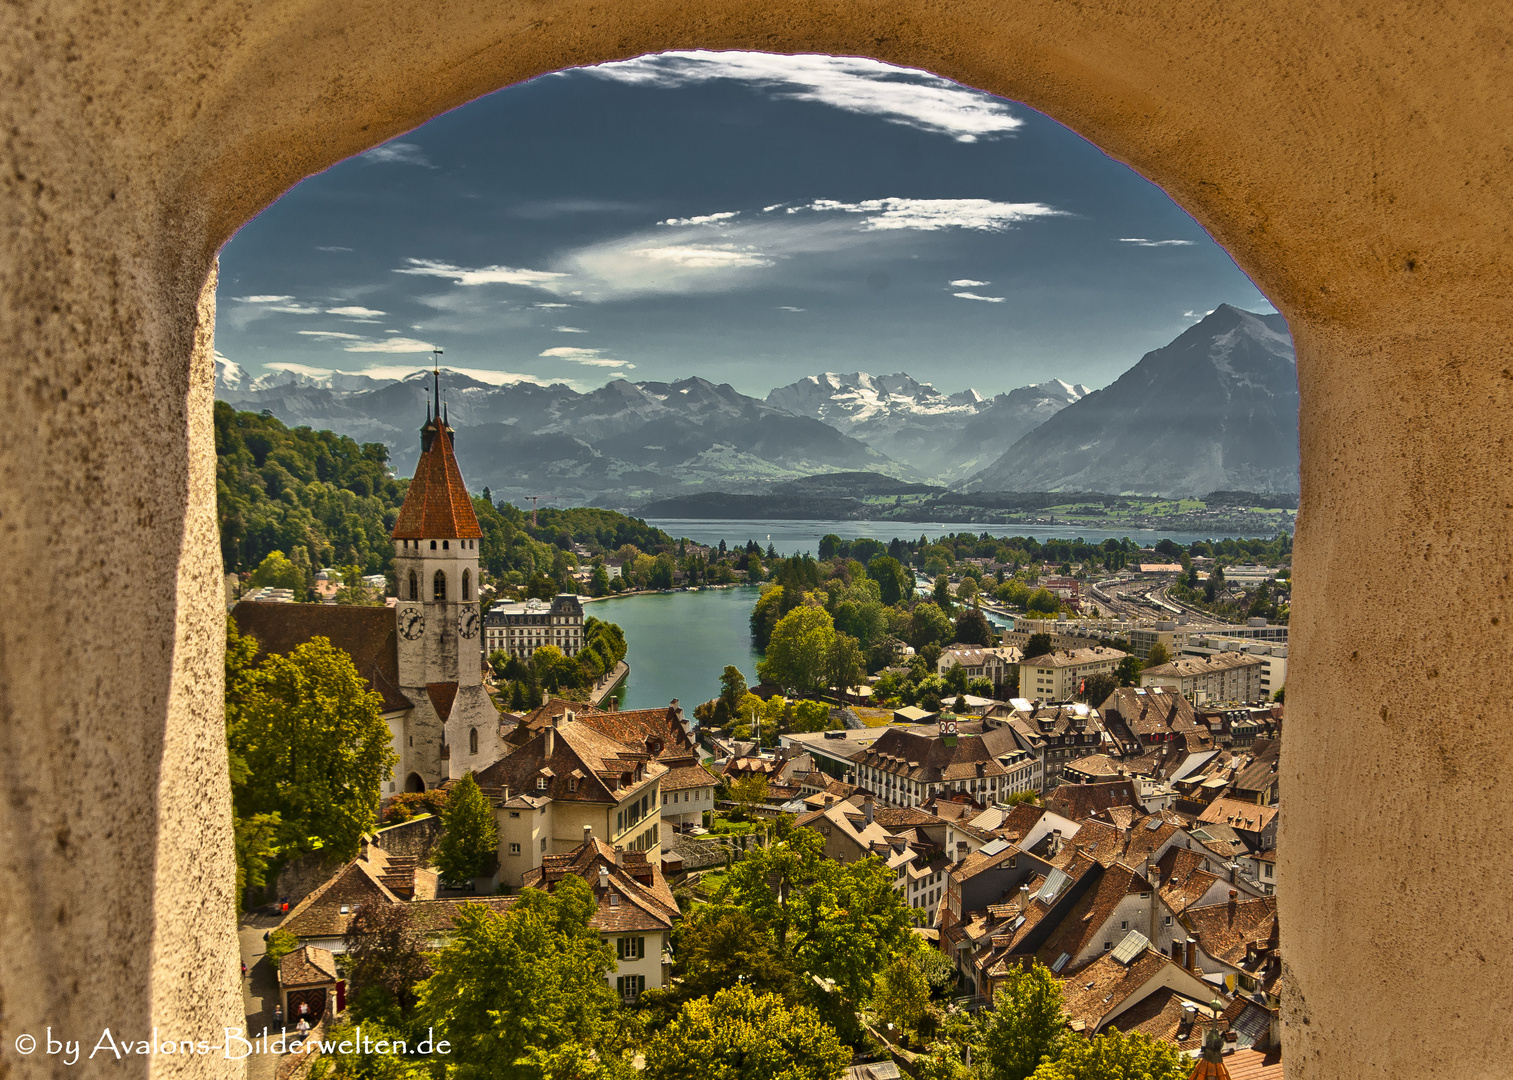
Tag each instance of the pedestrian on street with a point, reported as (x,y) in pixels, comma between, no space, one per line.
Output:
(278,1017)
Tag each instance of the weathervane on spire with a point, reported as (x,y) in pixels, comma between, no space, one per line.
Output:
(436,378)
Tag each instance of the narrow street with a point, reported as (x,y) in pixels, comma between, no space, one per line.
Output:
(259,989)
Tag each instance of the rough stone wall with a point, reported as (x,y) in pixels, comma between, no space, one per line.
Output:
(1353,158)
(412,838)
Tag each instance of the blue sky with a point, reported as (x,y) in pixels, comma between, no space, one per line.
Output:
(745,217)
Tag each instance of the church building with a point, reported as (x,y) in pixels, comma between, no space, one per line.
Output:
(423,655)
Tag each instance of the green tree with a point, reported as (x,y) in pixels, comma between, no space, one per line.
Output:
(894,582)
(470,837)
(798,652)
(1096,688)
(1044,601)
(386,956)
(354,592)
(1113,1056)
(844,665)
(765,615)
(973,628)
(277,572)
(716,948)
(255,835)
(598,581)
(1024,1026)
(1038,645)
(942,593)
(929,625)
(943,1061)
(1127,671)
(315,746)
(280,944)
(525,995)
(841,921)
(901,998)
(1158,655)
(748,793)
(732,688)
(741,1035)
(663,572)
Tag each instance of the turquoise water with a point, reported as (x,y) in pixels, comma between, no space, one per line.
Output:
(677,644)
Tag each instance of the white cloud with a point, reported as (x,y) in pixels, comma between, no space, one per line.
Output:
(398,153)
(590,357)
(703,219)
(1198,314)
(391,331)
(355,312)
(390,345)
(333,248)
(703,256)
(569,330)
(789,307)
(334,335)
(550,305)
(485,375)
(853,84)
(974,296)
(301,369)
(488,275)
(1140,241)
(968,283)
(262,299)
(932,215)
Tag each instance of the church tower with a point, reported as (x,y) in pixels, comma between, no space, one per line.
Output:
(438,618)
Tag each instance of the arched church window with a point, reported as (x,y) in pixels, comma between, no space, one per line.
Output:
(446,545)
(414,586)
(473,741)
(439,586)
(467,585)
(433,545)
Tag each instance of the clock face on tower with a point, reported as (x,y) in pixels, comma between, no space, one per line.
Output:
(412,623)
(467,623)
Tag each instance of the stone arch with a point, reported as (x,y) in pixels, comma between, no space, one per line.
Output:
(414,783)
(1349,159)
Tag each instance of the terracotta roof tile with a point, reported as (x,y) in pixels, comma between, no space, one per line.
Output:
(437,506)
(306,966)
(1225,930)
(367,634)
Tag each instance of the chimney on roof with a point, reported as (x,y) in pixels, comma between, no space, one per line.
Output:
(1191,961)
(1233,896)
(867,809)
(550,746)
(603,877)
(588,833)
(1024,898)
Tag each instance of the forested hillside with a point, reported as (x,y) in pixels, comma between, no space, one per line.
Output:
(325,500)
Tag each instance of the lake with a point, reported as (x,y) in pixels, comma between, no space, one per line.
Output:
(789,536)
(679,643)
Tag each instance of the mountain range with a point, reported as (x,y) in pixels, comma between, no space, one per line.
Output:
(1217,408)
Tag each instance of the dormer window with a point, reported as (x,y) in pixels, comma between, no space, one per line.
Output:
(540,783)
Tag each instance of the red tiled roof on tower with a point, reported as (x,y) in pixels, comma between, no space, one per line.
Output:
(437,506)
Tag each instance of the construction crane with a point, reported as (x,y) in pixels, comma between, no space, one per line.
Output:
(534,499)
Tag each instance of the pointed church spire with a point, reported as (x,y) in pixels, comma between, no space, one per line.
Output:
(436,378)
(437,506)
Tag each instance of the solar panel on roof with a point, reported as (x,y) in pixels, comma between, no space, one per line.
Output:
(1054,883)
(1061,962)
(1133,945)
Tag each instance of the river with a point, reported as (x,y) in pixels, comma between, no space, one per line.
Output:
(678,643)
(790,536)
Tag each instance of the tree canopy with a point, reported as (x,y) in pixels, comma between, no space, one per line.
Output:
(470,837)
(1024,1025)
(799,650)
(308,743)
(525,995)
(742,1035)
